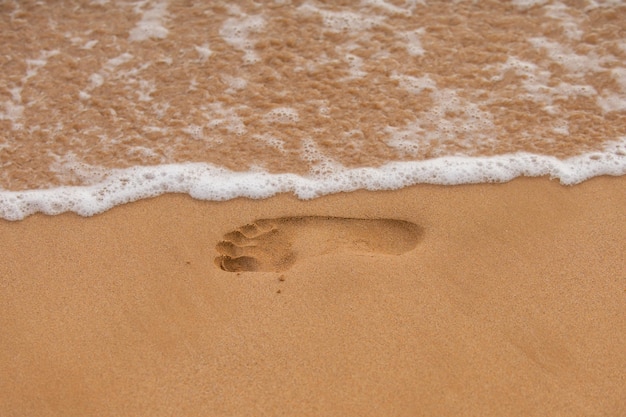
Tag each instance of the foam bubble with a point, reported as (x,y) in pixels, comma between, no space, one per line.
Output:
(204,51)
(34,65)
(526,4)
(272,141)
(355,63)
(619,74)
(413,42)
(227,117)
(282,115)
(234,83)
(208,182)
(90,44)
(195,131)
(113,63)
(612,102)
(151,24)
(578,65)
(414,85)
(388,7)
(236,32)
(570,25)
(95,81)
(343,20)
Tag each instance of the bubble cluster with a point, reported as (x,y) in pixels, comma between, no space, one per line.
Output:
(237,30)
(208,182)
(343,20)
(373,94)
(151,24)
(282,115)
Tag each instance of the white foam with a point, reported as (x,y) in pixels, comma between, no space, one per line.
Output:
(113,63)
(208,182)
(355,63)
(14,108)
(146,88)
(89,44)
(577,65)
(109,68)
(227,117)
(612,102)
(536,81)
(595,4)
(282,115)
(34,65)
(414,85)
(388,7)
(448,119)
(95,80)
(195,131)
(237,31)
(561,128)
(343,20)
(234,83)
(271,141)
(570,25)
(151,24)
(526,4)
(13,111)
(619,74)
(204,51)
(413,42)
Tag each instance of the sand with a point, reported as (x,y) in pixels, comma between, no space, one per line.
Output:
(491,300)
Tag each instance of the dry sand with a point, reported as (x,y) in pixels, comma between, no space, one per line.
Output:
(485,300)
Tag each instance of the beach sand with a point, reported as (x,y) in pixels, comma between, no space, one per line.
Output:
(491,300)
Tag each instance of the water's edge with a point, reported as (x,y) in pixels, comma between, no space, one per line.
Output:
(207,182)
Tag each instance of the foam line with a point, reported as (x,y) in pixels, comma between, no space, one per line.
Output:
(208,182)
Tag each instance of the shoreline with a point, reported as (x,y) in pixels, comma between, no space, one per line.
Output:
(206,182)
(510,300)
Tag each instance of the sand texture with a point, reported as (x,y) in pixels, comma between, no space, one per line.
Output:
(478,300)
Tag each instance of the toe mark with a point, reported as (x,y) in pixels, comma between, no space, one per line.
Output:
(239,264)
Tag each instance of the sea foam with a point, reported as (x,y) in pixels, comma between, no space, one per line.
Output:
(207,182)
(347,93)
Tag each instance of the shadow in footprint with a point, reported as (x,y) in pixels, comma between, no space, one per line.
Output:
(273,245)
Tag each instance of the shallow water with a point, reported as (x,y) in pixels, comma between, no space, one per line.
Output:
(104,102)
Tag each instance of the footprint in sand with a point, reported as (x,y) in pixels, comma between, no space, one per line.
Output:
(273,245)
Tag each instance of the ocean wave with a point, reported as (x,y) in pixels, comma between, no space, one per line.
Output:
(208,182)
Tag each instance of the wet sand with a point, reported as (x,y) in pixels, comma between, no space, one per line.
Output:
(492,299)
(290,87)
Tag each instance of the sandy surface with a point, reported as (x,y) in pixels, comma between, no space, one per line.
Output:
(483,300)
